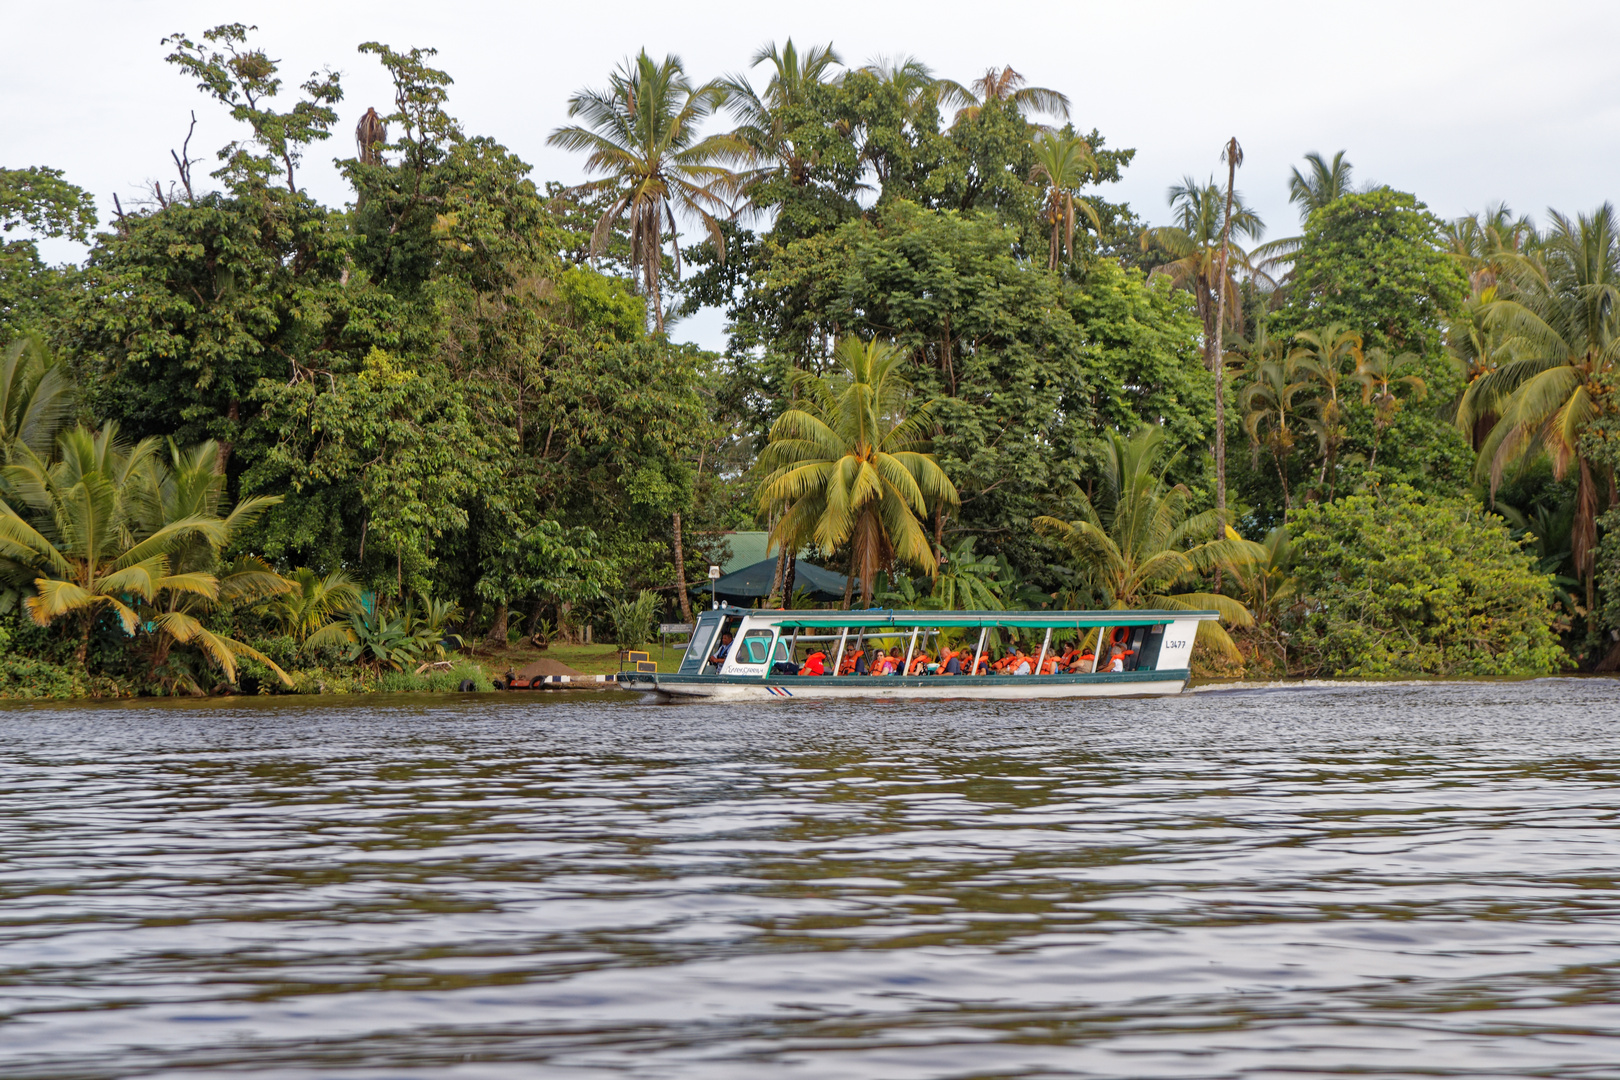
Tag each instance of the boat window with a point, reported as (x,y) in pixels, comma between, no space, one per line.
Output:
(1147,654)
(697,650)
(756,647)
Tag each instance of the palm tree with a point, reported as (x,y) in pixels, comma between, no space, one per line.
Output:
(83,547)
(1270,416)
(1327,360)
(1378,374)
(191,486)
(1065,162)
(641,132)
(1491,244)
(760,115)
(1138,543)
(1204,258)
(1561,328)
(310,611)
(851,465)
(1005,86)
(1324,183)
(968,581)
(36,398)
(1269,589)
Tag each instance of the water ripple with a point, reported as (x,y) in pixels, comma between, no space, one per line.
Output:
(1412,880)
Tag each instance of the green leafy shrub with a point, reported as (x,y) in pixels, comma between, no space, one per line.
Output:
(1395,583)
(633,619)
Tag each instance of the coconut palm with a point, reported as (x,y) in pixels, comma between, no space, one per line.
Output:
(1206,262)
(1138,544)
(968,581)
(1327,360)
(1490,244)
(1271,408)
(190,485)
(760,116)
(310,611)
(74,527)
(1321,184)
(1379,376)
(1005,86)
(642,134)
(1561,328)
(1269,590)
(850,465)
(36,397)
(1065,163)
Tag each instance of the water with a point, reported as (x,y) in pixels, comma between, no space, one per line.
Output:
(1400,880)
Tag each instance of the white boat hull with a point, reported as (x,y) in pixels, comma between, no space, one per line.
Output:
(937,688)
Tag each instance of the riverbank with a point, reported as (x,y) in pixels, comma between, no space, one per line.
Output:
(29,678)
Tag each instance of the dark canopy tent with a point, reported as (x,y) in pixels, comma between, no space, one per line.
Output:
(743,587)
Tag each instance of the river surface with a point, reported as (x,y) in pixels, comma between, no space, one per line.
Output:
(1388,880)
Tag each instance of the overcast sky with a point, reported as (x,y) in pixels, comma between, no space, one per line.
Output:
(1461,103)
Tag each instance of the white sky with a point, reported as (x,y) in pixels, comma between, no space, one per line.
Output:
(1461,103)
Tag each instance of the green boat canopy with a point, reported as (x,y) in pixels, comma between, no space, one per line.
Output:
(754,582)
(888,618)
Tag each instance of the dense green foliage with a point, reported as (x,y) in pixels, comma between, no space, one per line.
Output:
(1399,584)
(455,411)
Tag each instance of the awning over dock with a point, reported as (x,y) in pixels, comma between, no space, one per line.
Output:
(743,587)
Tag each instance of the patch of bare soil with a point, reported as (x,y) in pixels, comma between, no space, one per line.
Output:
(545,666)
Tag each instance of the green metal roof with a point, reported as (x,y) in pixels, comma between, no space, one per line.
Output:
(876,618)
(747,548)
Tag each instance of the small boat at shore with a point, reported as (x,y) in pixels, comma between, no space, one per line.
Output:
(753,654)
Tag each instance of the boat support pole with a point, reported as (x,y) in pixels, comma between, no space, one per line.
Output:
(978,652)
(1047,644)
(838,663)
(1096,653)
(911,647)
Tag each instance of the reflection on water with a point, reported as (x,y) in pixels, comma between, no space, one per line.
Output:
(1406,881)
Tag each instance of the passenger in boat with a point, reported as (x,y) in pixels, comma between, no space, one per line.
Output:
(891,662)
(920,662)
(953,665)
(814,664)
(1049,666)
(848,666)
(861,667)
(982,665)
(1081,662)
(1022,663)
(1116,659)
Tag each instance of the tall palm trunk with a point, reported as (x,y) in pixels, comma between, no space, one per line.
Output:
(1234,158)
(680,572)
(1583,539)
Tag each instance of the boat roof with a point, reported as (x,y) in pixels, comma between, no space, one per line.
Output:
(873,618)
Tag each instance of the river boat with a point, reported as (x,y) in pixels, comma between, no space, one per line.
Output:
(766,644)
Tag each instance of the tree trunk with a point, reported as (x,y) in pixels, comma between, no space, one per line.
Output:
(83,650)
(680,571)
(1583,539)
(1234,157)
(849,580)
(776,582)
(790,579)
(496,638)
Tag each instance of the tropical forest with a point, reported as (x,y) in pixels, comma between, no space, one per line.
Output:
(253,443)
